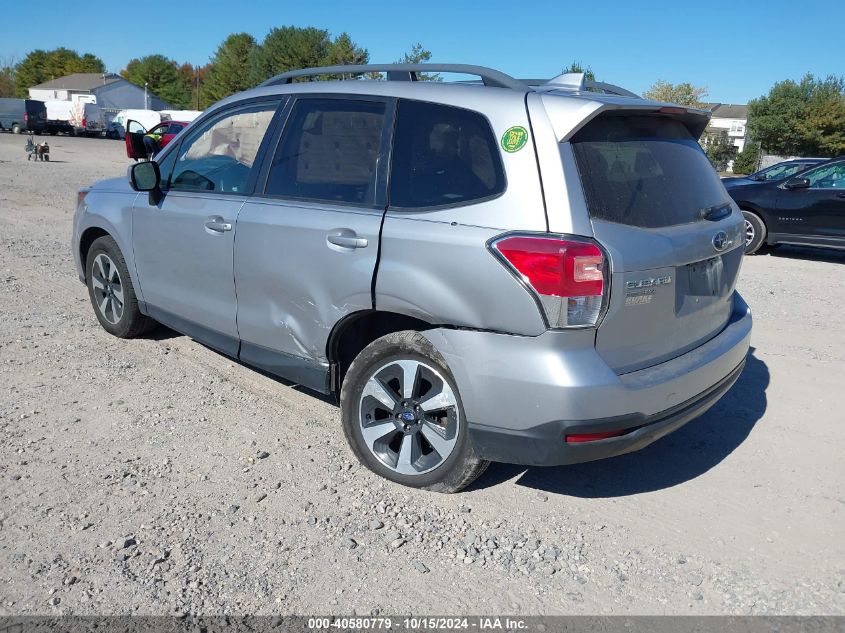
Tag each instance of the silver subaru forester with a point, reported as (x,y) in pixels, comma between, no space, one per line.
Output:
(490,270)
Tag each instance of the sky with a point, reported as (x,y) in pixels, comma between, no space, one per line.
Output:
(738,49)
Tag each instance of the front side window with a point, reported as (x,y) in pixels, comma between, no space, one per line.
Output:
(329,151)
(219,156)
(443,155)
(827,177)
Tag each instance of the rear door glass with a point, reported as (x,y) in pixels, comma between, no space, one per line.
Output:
(645,171)
(329,151)
(443,155)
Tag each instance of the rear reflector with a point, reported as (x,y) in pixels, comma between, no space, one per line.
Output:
(567,275)
(591,437)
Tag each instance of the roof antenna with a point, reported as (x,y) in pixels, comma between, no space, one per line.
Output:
(569,81)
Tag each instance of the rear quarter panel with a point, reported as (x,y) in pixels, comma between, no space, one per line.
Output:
(434,263)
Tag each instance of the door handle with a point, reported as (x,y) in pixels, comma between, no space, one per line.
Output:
(217,224)
(347,239)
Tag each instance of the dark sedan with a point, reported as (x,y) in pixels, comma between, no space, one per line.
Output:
(780,171)
(807,208)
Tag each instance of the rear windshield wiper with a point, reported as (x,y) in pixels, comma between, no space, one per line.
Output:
(716,212)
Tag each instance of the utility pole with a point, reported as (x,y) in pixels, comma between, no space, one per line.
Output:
(146,104)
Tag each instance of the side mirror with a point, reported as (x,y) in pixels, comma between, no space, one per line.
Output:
(145,176)
(797,183)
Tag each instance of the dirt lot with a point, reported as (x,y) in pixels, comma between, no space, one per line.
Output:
(133,477)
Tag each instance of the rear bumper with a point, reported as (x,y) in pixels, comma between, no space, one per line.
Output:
(546,445)
(523,395)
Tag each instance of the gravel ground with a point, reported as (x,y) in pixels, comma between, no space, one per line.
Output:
(156,476)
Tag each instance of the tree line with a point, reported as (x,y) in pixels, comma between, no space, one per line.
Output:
(795,118)
(240,62)
(802,118)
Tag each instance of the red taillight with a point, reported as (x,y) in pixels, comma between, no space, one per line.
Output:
(84,122)
(592,437)
(25,118)
(568,276)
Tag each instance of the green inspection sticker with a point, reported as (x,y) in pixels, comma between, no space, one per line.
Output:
(514,139)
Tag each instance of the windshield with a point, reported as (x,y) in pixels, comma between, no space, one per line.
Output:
(779,172)
(645,171)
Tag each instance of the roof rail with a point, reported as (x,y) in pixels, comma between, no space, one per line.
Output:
(404,72)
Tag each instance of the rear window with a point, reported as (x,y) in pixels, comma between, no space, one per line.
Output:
(645,171)
(443,155)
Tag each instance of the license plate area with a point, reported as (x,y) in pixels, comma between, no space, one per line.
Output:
(706,278)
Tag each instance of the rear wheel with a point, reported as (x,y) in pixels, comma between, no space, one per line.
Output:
(16,129)
(403,417)
(111,292)
(755,232)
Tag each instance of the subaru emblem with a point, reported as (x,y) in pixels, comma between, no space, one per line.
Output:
(720,241)
(408,416)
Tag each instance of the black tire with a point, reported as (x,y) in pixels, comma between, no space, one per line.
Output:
(753,224)
(454,473)
(16,129)
(130,323)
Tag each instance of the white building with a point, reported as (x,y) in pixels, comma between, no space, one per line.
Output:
(110,92)
(733,120)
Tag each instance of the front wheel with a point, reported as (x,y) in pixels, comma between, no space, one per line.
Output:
(111,292)
(403,417)
(755,232)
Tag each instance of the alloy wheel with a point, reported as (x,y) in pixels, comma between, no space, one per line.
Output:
(409,417)
(108,288)
(750,233)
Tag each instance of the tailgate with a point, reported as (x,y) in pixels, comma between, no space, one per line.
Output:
(673,235)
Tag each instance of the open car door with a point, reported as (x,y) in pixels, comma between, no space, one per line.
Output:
(134,140)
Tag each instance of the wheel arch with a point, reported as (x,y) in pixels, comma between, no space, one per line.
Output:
(355,331)
(88,237)
(756,210)
(97,226)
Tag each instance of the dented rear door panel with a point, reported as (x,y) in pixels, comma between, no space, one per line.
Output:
(292,284)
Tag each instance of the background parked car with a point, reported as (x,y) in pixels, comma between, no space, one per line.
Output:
(147,118)
(135,133)
(807,208)
(23,115)
(774,172)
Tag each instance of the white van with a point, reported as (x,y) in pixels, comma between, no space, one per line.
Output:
(147,118)
(74,118)
(186,116)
